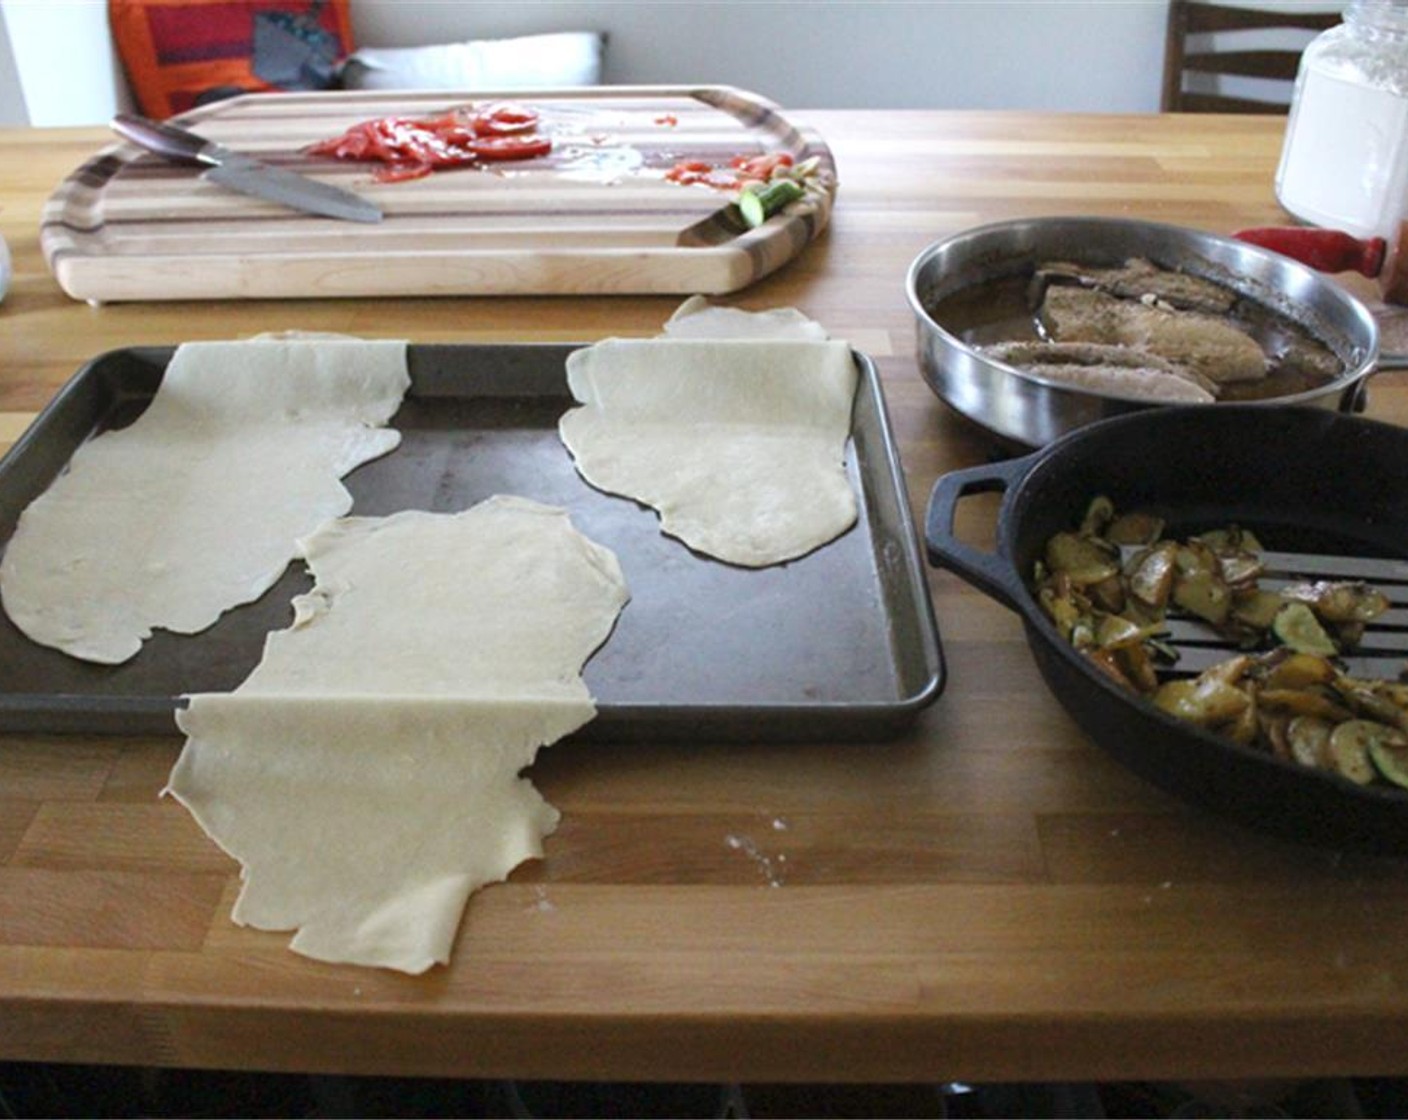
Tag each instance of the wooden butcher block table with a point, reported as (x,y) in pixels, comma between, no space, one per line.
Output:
(985,896)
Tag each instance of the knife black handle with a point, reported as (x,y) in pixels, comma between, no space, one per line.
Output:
(164,139)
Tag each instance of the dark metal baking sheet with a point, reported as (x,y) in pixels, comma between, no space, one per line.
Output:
(839,643)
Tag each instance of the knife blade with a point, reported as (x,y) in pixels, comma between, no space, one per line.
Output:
(244,173)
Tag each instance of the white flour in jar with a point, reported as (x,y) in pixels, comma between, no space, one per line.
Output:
(1345,163)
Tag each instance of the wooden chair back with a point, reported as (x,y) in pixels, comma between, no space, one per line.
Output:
(1189,18)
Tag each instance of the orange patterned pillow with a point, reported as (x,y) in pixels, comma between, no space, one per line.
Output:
(183,53)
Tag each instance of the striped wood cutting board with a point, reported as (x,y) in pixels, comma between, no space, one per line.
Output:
(595,216)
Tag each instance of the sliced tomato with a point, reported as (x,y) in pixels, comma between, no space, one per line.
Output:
(326,147)
(453,128)
(400,172)
(413,148)
(505,117)
(512,146)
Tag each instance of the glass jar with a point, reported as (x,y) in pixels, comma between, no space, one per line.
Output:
(1345,160)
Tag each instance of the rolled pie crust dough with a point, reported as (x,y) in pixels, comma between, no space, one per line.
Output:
(367,773)
(196,506)
(696,317)
(739,444)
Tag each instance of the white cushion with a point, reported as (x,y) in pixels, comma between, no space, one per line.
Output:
(566,58)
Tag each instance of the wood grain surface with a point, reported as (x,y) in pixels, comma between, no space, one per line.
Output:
(986,897)
(594,215)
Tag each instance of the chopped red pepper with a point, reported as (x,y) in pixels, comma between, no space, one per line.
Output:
(689,171)
(761,167)
(740,170)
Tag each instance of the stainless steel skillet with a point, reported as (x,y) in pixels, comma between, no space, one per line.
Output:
(1026,409)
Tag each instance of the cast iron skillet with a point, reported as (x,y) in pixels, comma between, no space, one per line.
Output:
(1303,479)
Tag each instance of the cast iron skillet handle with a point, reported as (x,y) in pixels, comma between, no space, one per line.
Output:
(984,570)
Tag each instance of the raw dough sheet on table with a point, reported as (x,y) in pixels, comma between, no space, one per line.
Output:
(367,773)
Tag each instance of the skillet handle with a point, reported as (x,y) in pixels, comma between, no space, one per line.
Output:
(1356,397)
(1391,362)
(986,571)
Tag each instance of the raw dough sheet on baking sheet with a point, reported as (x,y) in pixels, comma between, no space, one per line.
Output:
(840,642)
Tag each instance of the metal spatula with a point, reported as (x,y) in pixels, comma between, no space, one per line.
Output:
(1380,654)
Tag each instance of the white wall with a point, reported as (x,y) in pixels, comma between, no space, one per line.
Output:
(1099,55)
(64,59)
(57,65)
(12,106)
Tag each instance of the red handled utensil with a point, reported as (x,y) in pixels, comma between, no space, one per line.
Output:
(1330,250)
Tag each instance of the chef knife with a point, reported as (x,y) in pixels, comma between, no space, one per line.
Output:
(244,173)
